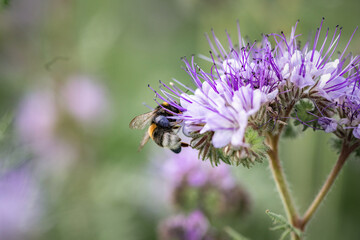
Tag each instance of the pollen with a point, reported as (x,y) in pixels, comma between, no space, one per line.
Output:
(151,130)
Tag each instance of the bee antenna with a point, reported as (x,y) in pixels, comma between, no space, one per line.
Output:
(151,108)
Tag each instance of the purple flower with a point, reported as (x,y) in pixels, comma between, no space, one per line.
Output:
(356,132)
(349,109)
(312,68)
(186,169)
(37,117)
(335,88)
(228,99)
(195,226)
(36,124)
(84,99)
(42,121)
(226,116)
(328,124)
(19,204)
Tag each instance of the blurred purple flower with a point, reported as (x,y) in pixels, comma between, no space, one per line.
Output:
(20,209)
(37,118)
(195,226)
(185,168)
(36,125)
(42,121)
(187,175)
(85,99)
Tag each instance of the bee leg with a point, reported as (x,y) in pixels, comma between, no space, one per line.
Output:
(184,144)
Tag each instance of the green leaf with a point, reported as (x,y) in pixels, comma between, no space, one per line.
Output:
(301,113)
(256,142)
(234,234)
(336,144)
(258,148)
(225,159)
(284,234)
(357,152)
(4,124)
(290,131)
(282,224)
(279,227)
(6,3)
(277,218)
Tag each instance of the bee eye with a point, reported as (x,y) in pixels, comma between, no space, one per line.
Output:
(162,121)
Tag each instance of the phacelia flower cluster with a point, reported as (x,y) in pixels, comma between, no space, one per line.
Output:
(256,89)
(324,77)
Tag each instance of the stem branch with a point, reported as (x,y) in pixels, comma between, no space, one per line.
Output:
(345,152)
(281,183)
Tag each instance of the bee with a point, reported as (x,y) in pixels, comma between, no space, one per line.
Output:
(161,129)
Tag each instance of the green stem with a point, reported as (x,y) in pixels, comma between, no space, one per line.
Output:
(281,184)
(345,152)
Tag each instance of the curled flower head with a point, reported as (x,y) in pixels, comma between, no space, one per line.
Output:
(349,111)
(333,86)
(313,69)
(251,90)
(329,82)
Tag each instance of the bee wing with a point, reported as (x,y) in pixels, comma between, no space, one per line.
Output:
(144,140)
(140,122)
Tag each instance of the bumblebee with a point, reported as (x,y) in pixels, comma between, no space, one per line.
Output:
(161,130)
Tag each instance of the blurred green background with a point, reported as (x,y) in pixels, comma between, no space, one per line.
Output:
(110,190)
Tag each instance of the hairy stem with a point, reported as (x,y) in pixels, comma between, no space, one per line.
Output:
(281,184)
(344,154)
